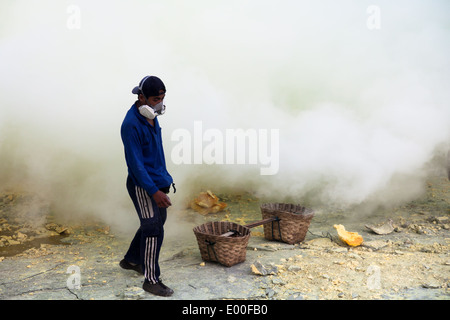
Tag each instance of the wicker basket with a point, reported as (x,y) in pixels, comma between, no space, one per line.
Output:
(227,251)
(292,225)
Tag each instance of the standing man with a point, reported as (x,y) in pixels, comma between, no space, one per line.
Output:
(148,181)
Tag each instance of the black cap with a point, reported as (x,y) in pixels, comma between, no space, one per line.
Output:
(150,86)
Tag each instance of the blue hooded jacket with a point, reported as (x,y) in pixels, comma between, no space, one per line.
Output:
(144,153)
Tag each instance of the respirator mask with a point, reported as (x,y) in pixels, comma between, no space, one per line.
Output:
(151,112)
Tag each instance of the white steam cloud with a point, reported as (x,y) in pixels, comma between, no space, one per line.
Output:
(361,108)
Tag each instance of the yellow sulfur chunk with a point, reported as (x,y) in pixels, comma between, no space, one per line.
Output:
(207,202)
(351,238)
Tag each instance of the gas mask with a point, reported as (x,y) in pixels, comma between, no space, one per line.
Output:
(151,112)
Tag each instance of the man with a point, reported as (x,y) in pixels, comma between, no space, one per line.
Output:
(148,181)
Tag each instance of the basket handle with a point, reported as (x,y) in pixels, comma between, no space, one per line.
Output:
(261,222)
(252,225)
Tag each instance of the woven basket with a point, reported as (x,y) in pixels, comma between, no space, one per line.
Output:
(227,251)
(292,225)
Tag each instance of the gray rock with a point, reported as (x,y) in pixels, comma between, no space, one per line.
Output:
(259,269)
(431,284)
(294,268)
(278,281)
(134,293)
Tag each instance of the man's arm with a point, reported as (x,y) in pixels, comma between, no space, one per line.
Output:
(134,156)
(135,159)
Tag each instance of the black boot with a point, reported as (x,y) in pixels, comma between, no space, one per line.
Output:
(128,266)
(159,289)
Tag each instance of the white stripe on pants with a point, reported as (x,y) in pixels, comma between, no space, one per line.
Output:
(146,207)
(150,259)
(145,203)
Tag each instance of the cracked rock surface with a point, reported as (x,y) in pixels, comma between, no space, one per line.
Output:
(50,260)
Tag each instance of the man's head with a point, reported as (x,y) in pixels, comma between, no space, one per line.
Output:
(151,90)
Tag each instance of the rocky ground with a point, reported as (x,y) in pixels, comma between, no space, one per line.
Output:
(50,260)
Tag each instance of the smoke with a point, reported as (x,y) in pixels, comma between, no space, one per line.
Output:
(359,96)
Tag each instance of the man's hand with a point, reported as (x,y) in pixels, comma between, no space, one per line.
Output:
(161,199)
